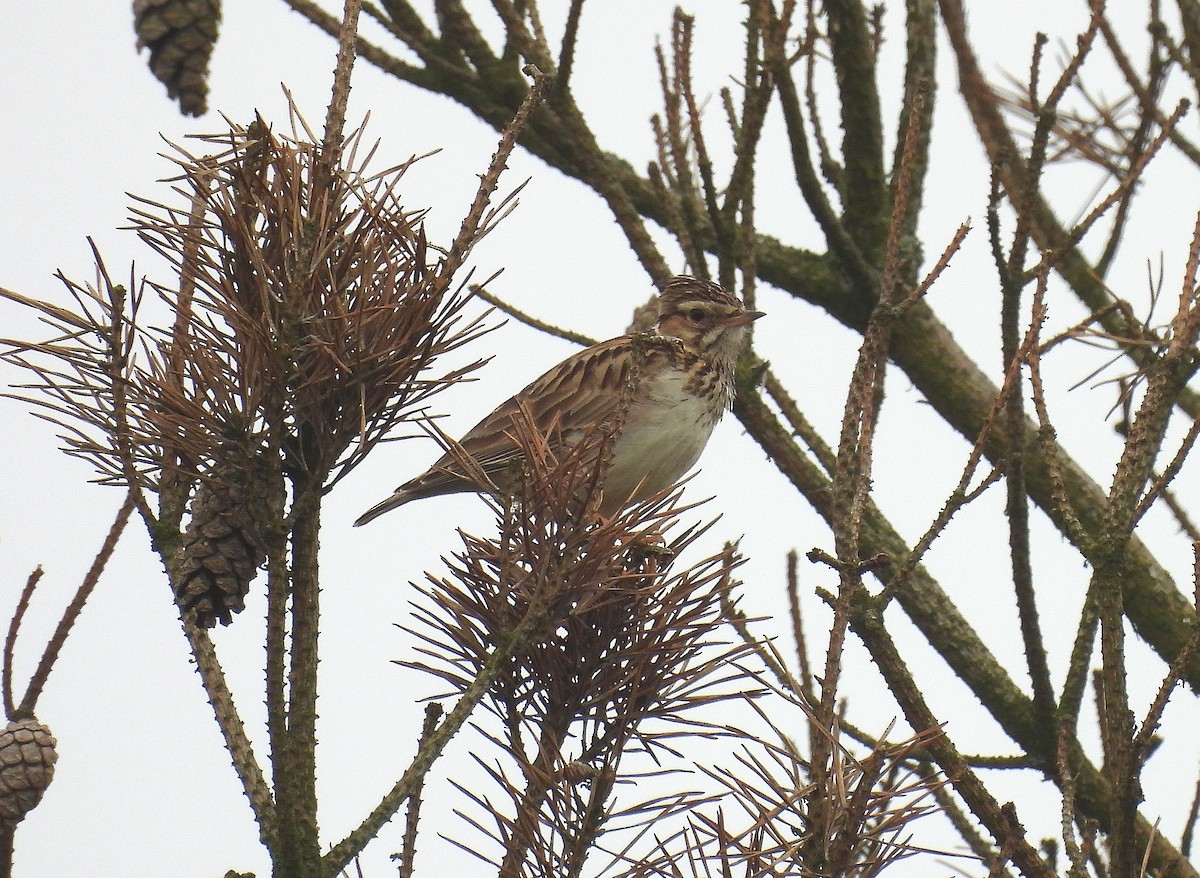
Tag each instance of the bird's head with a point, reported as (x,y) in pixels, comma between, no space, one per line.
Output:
(703,316)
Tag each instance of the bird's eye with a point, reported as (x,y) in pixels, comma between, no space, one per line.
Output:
(696,315)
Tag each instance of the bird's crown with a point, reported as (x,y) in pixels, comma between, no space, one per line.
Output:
(684,289)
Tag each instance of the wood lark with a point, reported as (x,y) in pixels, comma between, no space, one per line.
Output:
(660,393)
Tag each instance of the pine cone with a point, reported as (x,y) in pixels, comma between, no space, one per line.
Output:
(27,758)
(181,35)
(222,549)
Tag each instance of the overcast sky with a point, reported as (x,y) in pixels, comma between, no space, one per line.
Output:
(144,785)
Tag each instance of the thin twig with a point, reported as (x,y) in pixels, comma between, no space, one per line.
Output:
(1158,486)
(566,55)
(335,116)
(10,641)
(1189,825)
(1149,725)
(407,856)
(1068,815)
(477,221)
(521,317)
(797,618)
(237,742)
(1134,174)
(70,614)
(798,422)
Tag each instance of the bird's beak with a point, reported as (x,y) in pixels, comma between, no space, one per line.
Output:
(741,318)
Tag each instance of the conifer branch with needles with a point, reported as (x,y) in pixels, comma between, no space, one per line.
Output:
(309,310)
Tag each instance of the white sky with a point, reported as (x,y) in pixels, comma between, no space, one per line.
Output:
(144,785)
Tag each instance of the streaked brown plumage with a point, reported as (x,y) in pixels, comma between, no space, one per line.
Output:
(675,383)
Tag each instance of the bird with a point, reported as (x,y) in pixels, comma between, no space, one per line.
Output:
(661,392)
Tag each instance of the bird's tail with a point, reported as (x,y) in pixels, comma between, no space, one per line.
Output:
(399,498)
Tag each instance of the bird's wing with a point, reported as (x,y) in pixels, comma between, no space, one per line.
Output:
(581,392)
